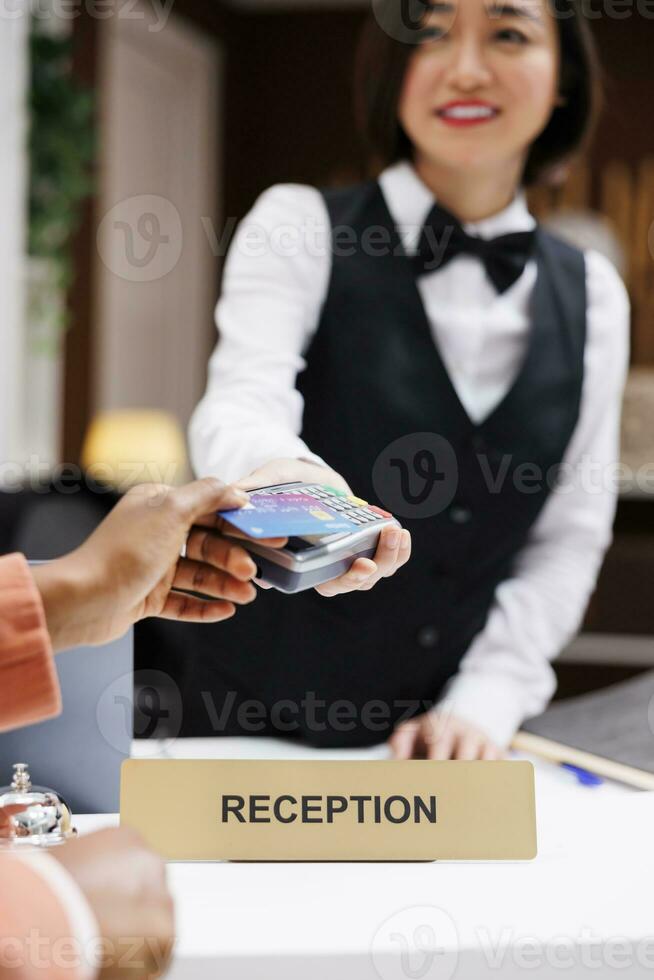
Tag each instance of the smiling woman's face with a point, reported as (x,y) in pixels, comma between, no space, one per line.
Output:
(482,85)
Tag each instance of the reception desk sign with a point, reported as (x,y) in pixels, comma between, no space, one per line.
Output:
(257,810)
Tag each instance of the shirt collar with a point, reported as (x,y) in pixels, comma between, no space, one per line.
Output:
(409,201)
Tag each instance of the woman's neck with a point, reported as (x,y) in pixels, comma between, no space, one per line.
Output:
(471,197)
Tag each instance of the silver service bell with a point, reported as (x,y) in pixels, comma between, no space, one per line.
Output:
(32,815)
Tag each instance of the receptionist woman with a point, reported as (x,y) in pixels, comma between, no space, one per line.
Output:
(512,350)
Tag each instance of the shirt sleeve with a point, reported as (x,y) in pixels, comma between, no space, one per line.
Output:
(29,688)
(47,928)
(274,284)
(506,674)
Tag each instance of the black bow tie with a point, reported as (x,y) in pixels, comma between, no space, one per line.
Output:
(443,238)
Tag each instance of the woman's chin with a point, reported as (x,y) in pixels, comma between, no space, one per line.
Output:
(470,160)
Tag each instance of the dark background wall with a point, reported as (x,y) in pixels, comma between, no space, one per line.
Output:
(289,102)
(627,54)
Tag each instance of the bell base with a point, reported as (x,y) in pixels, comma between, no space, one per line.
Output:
(37,840)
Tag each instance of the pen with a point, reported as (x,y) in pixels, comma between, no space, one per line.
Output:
(584,777)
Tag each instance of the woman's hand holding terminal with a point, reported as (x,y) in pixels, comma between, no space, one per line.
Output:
(393,550)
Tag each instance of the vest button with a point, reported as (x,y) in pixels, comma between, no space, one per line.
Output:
(428,637)
(460,515)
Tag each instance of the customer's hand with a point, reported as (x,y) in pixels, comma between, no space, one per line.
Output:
(393,550)
(441,735)
(124,883)
(130,567)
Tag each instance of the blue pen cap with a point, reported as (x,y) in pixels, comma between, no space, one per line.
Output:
(583,776)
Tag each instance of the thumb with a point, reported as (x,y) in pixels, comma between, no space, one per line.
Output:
(252,482)
(267,475)
(403,740)
(207,495)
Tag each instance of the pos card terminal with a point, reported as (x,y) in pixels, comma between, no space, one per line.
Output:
(327,531)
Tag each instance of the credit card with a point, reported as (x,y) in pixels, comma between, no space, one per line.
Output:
(280,515)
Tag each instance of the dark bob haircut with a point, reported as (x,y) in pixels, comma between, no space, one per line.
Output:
(389,39)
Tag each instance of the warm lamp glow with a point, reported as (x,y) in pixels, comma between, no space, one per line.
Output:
(124,448)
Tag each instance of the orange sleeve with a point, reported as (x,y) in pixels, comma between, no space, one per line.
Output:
(29,689)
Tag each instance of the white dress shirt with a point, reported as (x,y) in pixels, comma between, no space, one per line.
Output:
(275,282)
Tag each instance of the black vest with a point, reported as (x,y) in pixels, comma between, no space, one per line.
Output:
(343,671)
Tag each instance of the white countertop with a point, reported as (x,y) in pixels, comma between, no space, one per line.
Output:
(584,907)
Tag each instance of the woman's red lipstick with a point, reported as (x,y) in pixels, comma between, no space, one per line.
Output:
(472,112)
